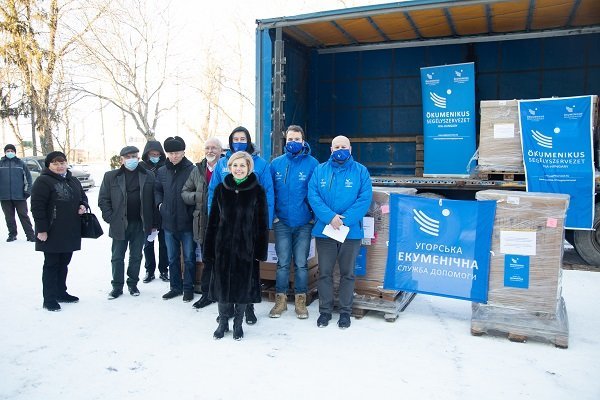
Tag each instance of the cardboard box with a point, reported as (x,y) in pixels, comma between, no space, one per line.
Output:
(500,136)
(527,250)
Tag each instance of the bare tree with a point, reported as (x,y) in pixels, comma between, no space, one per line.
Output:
(36,39)
(129,51)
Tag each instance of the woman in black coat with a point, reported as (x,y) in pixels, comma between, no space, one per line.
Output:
(57,201)
(236,238)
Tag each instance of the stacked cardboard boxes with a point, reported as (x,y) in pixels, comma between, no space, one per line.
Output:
(525,266)
(500,137)
(377,248)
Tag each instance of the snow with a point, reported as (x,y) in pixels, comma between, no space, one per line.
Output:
(147,348)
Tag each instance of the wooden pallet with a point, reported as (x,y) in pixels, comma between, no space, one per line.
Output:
(535,326)
(509,176)
(391,309)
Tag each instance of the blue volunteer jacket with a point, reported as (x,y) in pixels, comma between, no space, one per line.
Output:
(343,189)
(291,175)
(261,169)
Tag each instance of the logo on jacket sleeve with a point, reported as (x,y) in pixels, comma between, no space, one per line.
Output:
(322,183)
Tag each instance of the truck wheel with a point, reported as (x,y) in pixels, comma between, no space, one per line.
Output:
(587,243)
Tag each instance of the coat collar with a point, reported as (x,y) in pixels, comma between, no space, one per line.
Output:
(248,184)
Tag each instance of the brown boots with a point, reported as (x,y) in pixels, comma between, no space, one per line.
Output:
(280,305)
(301,311)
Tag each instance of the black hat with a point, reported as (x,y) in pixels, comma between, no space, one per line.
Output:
(53,155)
(173,144)
(10,147)
(128,150)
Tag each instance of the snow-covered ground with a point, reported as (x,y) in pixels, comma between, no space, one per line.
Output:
(147,348)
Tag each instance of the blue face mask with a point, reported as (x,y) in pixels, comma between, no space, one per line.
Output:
(154,160)
(341,155)
(131,163)
(10,155)
(293,147)
(239,146)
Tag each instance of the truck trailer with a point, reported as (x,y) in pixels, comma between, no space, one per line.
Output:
(356,72)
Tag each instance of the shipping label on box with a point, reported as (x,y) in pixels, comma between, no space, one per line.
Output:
(516,271)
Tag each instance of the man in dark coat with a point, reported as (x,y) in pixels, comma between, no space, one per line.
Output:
(57,201)
(126,199)
(15,188)
(177,218)
(153,158)
(195,192)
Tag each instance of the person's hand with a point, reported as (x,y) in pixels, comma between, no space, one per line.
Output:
(81,209)
(336,222)
(43,236)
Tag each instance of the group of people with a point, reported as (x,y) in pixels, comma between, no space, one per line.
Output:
(224,206)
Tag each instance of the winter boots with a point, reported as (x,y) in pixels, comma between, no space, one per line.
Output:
(250,316)
(238,319)
(300,303)
(222,328)
(280,305)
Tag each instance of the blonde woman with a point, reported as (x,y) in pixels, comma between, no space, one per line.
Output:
(236,239)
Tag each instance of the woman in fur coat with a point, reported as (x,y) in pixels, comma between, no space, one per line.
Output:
(236,239)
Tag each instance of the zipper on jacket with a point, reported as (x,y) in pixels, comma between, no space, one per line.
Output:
(287,167)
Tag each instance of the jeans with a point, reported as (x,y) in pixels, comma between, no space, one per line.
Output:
(54,275)
(330,251)
(9,207)
(163,259)
(134,238)
(292,241)
(174,241)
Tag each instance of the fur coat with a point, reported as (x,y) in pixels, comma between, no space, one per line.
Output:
(236,238)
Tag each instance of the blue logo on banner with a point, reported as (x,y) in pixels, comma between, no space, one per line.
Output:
(516,271)
(556,135)
(448,94)
(440,247)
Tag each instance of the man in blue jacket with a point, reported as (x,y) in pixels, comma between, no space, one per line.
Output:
(177,218)
(339,193)
(15,188)
(239,140)
(291,173)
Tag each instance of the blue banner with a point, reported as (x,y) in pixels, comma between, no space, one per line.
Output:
(440,247)
(556,135)
(448,94)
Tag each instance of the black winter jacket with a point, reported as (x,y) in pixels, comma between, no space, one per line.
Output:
(236,238)
(55,205)
(15,179)
(112,200)
(176,216)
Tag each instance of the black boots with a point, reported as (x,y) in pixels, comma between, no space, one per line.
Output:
(222,329)
(203,302)
(250,316)
(238,319)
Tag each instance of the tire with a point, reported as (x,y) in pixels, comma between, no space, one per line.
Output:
(587,243)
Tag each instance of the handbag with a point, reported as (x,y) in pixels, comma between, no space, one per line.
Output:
(90,227)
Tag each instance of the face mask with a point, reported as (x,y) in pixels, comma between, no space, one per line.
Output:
(239,146)
(341,155)
(293,147)
(131,163)
(154,160)
(10,155)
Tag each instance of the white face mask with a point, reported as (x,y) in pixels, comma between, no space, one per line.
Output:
(211,158)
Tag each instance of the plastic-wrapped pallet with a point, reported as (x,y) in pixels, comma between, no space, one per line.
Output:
(500,136)
(524,297)
(377,248)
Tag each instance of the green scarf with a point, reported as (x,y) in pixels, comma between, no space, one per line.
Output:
(239,181)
